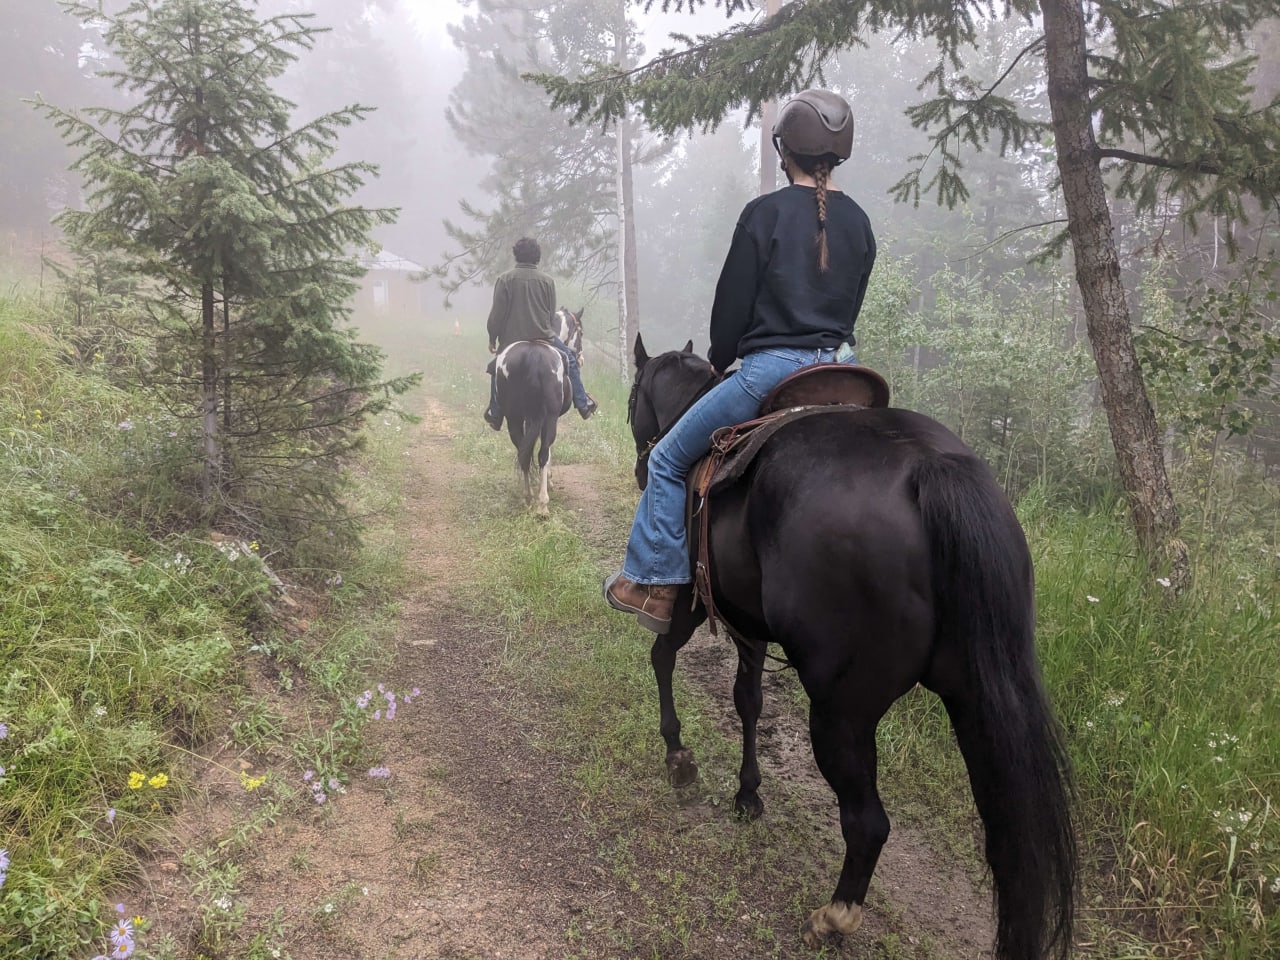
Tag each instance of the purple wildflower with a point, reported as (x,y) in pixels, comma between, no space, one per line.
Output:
(379,773)
(382,688)
(119,908)
(333,783)
(320,796)
(111,815)
(4,730)
(377,714)
(4,865)
(122,932)
(362,701)
(308,775)
(391,711)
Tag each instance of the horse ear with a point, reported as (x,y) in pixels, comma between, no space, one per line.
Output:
(581,311)
(688,347)
(641,357)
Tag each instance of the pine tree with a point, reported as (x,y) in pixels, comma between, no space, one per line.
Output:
(1164,81)
(247,238)
(549,180)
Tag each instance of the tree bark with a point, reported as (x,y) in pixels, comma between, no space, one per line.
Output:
(209,385)
(628,267)
(768,115)
(1132,422)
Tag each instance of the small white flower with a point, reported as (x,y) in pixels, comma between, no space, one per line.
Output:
(1091,598)
(1275,885)
(1163,581)
(222,903)
(1114,699)
(328,908)
(365,891)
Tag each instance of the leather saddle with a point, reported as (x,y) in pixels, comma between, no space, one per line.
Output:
(810,391)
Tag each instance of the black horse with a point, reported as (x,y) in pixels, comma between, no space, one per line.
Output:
(878,551)
(533,393)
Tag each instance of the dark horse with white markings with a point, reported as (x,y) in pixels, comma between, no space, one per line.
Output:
(878,551)
(533,393)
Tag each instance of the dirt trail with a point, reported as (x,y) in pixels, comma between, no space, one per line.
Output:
(474,847)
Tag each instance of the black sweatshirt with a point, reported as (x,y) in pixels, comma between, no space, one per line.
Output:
(770,292)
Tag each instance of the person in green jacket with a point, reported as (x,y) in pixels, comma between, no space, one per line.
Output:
(524,306)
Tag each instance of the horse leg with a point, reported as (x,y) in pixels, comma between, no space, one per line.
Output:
(749,700)
(681,768)
(845,748)
(544,468)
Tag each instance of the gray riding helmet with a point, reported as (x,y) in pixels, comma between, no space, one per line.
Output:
(815,123)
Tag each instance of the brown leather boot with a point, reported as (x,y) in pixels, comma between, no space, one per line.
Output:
(651,603)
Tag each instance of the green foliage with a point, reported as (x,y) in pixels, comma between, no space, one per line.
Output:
(247,239)
(122,648)
(1209,358)
(112,647)
(1168,76)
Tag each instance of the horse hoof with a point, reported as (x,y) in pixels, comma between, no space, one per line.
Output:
(748,807)
(828,924)
(681,770)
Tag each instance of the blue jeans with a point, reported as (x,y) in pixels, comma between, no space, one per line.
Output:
(580,399)
(657,550)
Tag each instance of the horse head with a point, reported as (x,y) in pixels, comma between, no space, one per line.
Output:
(569,329)
(665,387)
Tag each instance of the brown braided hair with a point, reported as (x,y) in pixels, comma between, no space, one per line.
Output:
(820,169)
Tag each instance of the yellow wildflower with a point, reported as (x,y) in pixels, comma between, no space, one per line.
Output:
(254,546)
(136,780)
(251,783)
(159,780)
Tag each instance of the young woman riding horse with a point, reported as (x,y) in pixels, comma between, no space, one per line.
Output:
(871,544)
(788,296)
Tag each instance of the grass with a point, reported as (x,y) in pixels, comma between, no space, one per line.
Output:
(129,650)
(1170,705)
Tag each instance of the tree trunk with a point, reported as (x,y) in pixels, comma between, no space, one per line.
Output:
(1132,422)
(226,359)
(768,115)
(209,384)
(628,271)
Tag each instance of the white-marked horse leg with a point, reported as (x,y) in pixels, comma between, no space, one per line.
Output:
(544,497)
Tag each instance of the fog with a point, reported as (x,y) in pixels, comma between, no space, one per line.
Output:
(472,156)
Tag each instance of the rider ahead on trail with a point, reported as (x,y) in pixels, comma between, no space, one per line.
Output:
(524,306)
(788,296)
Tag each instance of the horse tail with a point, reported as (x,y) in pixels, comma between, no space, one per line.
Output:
(986,670)
(533,427)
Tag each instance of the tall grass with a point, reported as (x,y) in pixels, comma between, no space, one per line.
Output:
(122,639)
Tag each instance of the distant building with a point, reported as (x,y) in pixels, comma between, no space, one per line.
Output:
(387,287)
